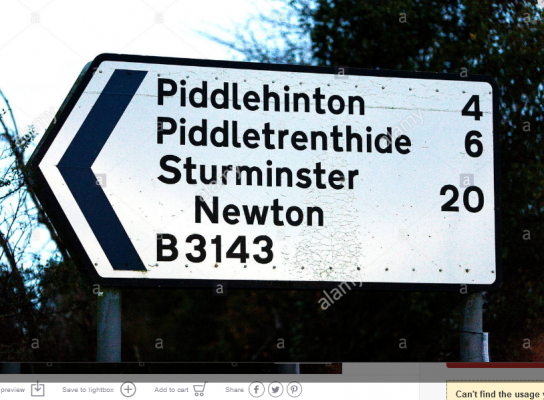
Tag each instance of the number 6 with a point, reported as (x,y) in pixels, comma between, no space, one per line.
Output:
(469,142)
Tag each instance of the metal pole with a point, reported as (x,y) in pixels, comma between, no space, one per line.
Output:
(11,368)
(289,368)
(472,331)
(109,325)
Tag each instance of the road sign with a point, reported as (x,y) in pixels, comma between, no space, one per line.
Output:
(179,172)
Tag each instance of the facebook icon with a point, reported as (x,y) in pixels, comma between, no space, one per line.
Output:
(256,389)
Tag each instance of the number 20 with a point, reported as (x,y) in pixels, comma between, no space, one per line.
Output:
(449,205)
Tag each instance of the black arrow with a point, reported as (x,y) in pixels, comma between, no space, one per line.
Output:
(75,168)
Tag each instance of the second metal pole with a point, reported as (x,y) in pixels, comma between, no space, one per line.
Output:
(472,332)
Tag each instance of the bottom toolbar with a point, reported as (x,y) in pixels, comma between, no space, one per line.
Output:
(209,390)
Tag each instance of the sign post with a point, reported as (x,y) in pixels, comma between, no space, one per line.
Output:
(109,325)
(472,335)
(185,173)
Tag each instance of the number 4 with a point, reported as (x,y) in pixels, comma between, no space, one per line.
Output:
(242,255)
(475,99)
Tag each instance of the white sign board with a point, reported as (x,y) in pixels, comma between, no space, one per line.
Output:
(188,172)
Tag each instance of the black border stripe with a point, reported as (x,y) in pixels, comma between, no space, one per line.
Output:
(75,167)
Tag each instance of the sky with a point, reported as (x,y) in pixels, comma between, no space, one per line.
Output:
(44,44)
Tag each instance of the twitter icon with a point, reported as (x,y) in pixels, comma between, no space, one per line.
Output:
(275,389)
